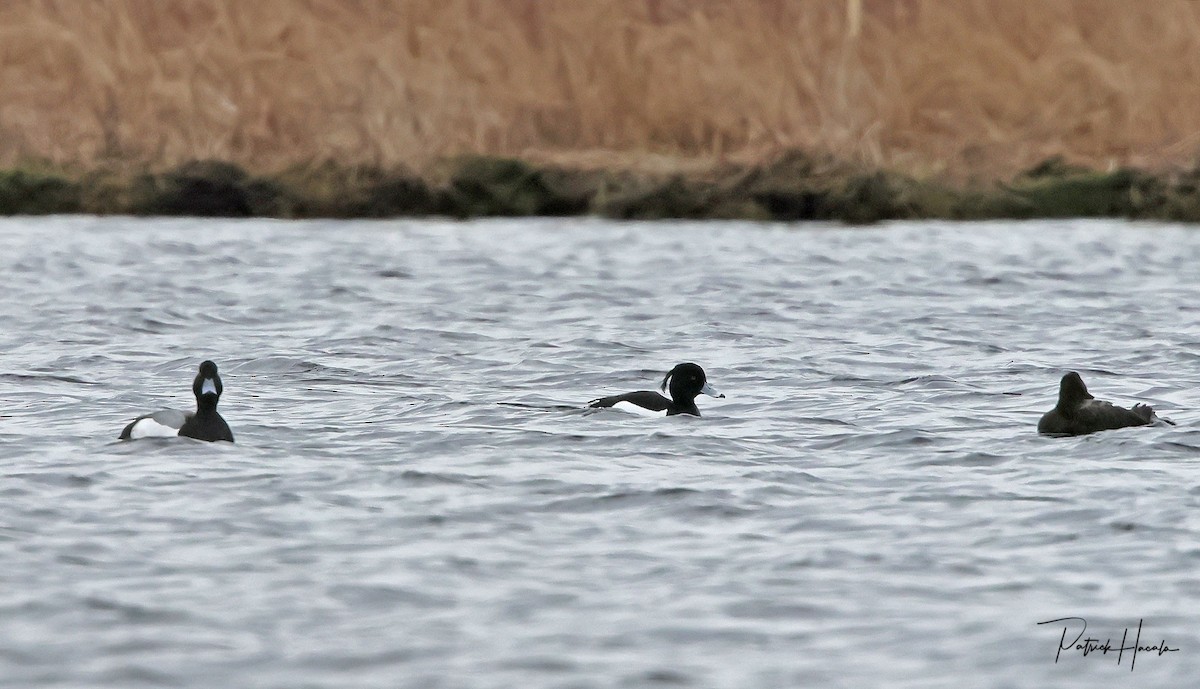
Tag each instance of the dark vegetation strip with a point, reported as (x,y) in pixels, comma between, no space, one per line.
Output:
(796,186)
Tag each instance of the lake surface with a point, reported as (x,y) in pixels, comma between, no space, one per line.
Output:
(417,497)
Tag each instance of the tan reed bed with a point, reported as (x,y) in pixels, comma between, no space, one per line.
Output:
(969,87)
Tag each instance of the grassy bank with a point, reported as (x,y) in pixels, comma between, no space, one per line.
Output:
(980,88)
(793,186)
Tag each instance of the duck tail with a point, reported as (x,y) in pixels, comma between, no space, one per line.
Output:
(1147,412)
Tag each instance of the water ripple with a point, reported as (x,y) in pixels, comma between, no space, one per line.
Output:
(418,497)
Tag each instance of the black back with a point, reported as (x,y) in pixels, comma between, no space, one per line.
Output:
(646,399)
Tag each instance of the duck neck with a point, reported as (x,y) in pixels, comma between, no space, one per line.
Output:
(684,402)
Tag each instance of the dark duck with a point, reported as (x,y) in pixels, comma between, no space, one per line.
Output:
(1078,412)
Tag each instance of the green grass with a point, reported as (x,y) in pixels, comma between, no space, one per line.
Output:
(794,187)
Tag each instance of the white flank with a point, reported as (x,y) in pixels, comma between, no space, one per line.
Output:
(149,428)
(640,411)
(160,424)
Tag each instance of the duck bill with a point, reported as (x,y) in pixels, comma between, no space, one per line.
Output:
(208,387)
(710,391)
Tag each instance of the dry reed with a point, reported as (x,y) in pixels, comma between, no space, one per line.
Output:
(969,86)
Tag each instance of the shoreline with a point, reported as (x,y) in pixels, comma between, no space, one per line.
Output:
(796,186)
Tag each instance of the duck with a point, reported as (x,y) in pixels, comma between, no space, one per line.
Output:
(686,381)
(1079,413)
(203,424)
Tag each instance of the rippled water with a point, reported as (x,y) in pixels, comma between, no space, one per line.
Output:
(416,498)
